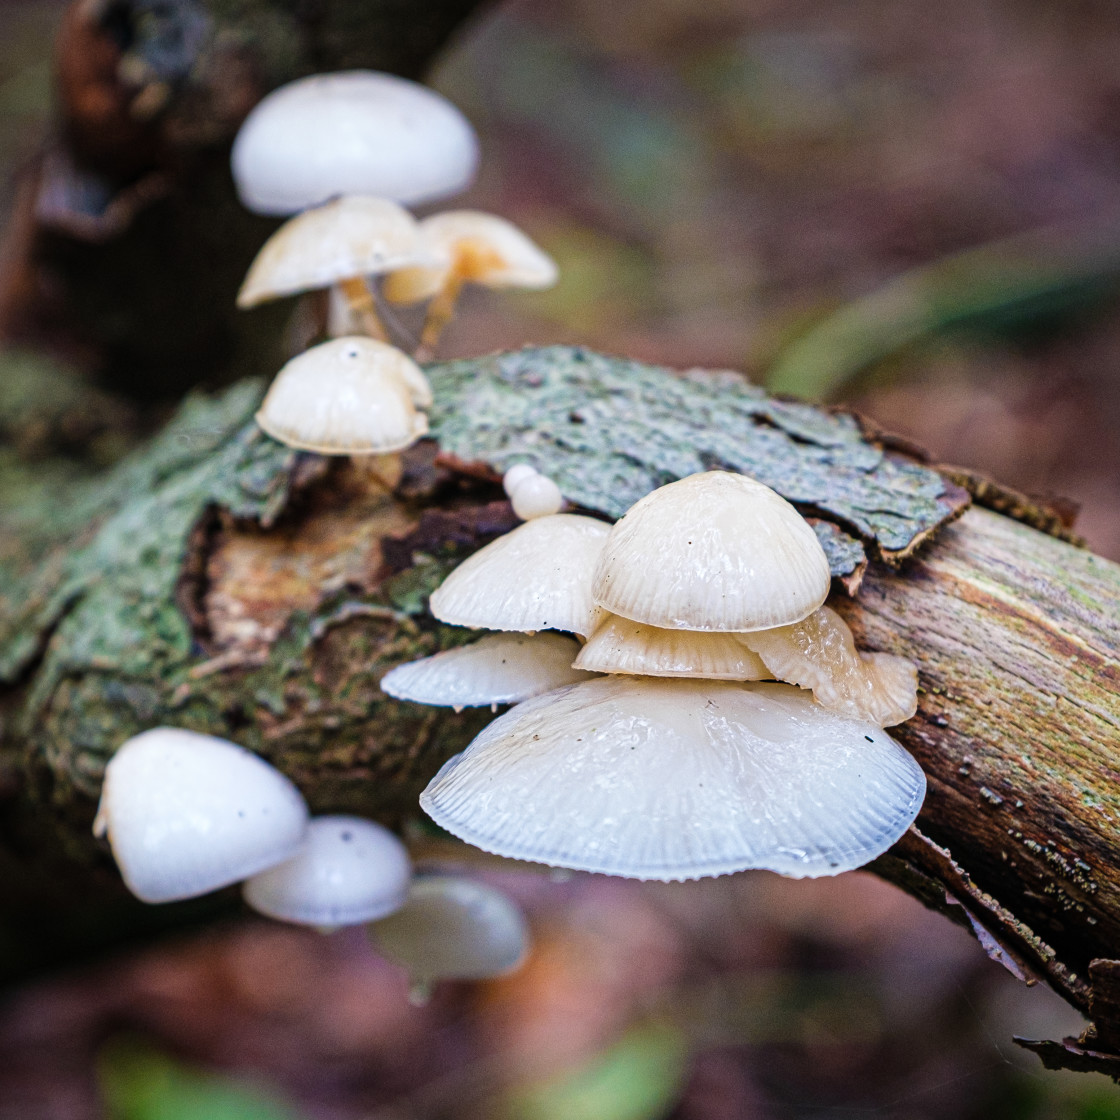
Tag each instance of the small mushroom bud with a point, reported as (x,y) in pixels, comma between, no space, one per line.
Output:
(536,496)
(516,475)
(453,928)
(348,871)
(187,813)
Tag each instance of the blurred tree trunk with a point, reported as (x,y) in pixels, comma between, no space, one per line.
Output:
(129,242)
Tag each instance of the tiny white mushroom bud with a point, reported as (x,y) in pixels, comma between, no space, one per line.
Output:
(453,928)
(187,813)
(348,871)
(536,496)
(516,475)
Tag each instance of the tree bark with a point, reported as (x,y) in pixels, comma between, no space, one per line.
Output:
(218,581)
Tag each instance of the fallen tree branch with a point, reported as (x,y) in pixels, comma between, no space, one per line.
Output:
(218,581)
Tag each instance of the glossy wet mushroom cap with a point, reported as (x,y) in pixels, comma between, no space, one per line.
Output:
(187,813)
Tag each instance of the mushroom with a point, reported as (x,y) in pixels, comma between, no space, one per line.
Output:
(536,577)
(348,871)
(187,813)
(453,928)
(530,493)
(620,645)
(820,653)
(336,246)
(714,551)
(475,247)
(669,780)
(355,132)
(349,396)
(497,669)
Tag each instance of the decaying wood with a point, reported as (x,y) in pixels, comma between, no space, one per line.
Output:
(215,580)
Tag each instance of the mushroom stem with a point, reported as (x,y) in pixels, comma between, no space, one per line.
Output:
(440,312)
(363,307)
(384,471)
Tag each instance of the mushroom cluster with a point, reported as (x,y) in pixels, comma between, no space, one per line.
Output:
(677,762)
(342,153)
(186,814)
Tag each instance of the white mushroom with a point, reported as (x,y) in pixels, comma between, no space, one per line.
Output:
(355,132)
(452,928)
(536,496)
(820,653)
(714,551)
(349,396)
(537,577)
(348,871)
(187,813)
(497,669)
(657,779)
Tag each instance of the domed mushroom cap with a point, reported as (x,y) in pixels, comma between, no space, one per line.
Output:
(536,577)
(348,871)
(820,653)
(453,928)
(187,813)
(620,645)
(714,551)
(497,669)
(355,132)
(477,247)
(353,236)
(654,779)
(349,396)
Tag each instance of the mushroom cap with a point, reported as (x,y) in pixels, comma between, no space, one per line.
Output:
(656,779)
(352,236)
(453,928)
(714,551)
(620,645)
(348,871)
(477,247)
(497,669)
(820,653)
(187,813)
(349,396)
(355,132)
(535,577)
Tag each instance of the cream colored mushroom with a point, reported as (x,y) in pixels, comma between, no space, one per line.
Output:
(660,779)
(820,653)
(338,245)
(620,645)
(715,552)
(350,396)
(477,248)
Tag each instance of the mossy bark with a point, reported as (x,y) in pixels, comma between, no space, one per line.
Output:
(218,581)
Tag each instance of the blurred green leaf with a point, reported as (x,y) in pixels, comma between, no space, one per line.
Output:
(138,1083)
(640,1078)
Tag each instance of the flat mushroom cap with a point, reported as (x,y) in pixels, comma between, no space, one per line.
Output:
(620,645)
(349,396)
(348,871)
(497,669)
(714,551)
(820,653)
(355,132)
(536,577)
(655,779)
(478,247)
(352,236)
(187,813)
(453,928)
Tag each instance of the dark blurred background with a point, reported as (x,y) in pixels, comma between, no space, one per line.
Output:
(912,207)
